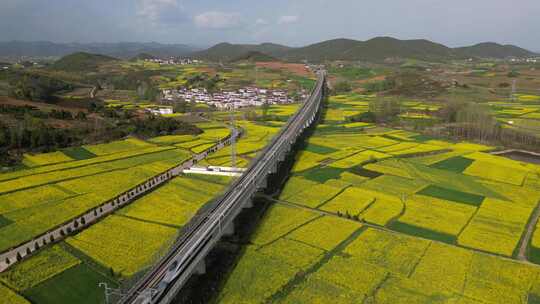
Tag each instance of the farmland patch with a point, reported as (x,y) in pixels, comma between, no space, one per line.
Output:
(452,195)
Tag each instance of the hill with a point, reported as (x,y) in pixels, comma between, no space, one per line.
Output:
(374,50)
(255,56)
(81,62)
(494,50)
(124,50)
(227,51)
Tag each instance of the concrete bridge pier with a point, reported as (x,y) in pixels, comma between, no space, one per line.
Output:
(201,267)
(282,155)
(248,204)
(229,229)
(263,183)
(273,168)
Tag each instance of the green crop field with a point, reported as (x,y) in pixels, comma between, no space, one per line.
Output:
(76,285)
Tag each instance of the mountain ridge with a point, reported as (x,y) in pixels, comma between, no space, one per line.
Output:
(376,49)
(124,50)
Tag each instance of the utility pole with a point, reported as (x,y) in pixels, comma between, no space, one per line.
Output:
(110,292)
(147,294)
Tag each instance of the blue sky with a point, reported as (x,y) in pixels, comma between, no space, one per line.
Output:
(292,22)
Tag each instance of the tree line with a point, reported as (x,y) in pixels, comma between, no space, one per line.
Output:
(36,87)
(32,134)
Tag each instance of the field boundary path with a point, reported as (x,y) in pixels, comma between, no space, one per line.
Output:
(529,230)
(20,252)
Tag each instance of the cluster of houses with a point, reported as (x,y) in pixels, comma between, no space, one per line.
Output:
(174,61)
(527,60)
(241,98)
(161,110)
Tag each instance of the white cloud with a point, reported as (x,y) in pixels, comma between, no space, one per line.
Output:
(159,10)
(261,21)
(217,20)
(287,19)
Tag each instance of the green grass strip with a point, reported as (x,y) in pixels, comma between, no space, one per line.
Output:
(78,153)
(321,175)
(452,195)
(75,285)
(4,221)
(456,164)
(422,232)
(320,149)
(358,170)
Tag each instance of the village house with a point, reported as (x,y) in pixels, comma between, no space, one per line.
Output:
(160,110)
(241,98)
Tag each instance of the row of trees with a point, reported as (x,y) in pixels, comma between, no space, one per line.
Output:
(205,81)
(473,121)
(19,112)
(32,134)
(154,126)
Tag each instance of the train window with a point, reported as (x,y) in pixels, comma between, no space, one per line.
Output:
(173,266)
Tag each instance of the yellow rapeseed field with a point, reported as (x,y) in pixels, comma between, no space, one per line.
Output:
(118,146)
(436,214)
(10,297)
(396,252)
(39,268)
(496,172)
(384,209)
(496,227)
(351,201)
(306,160)
(292,252)
(280,220)
(294,186)
(255,278)
(325,232)
(124,244)
(314,196)
(28,198)
(444,266)
(318,291)
(354,273)
(33,160)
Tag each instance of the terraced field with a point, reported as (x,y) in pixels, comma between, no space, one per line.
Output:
(375,215)
(522,113)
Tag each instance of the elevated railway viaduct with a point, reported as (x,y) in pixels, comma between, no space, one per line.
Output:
(187,256)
